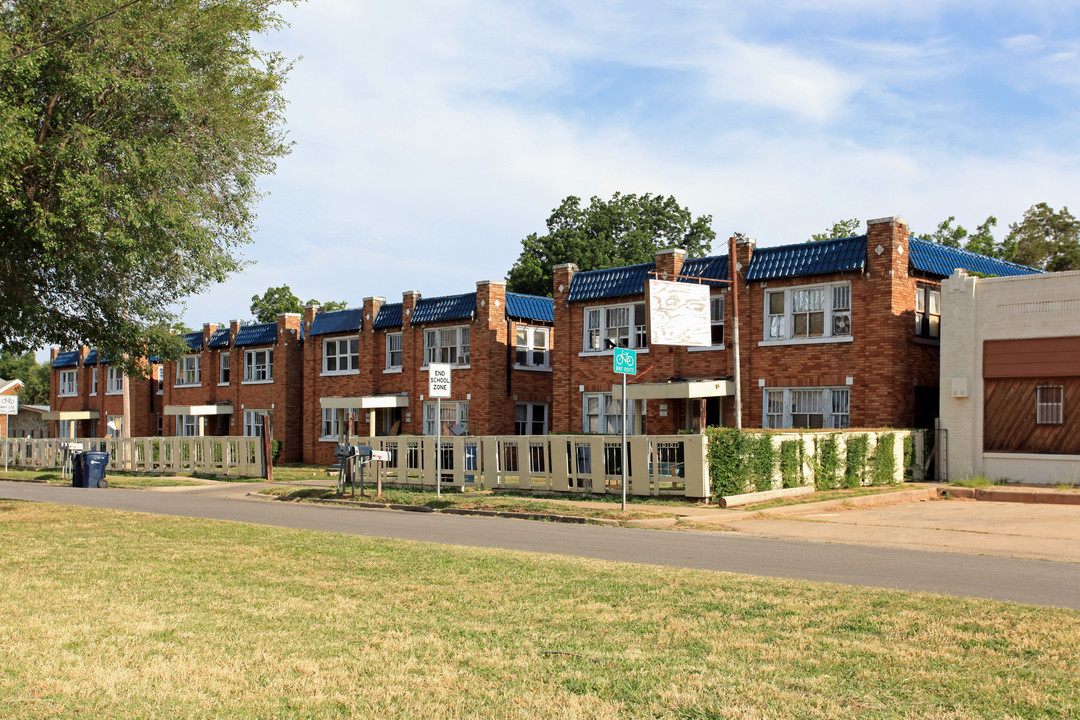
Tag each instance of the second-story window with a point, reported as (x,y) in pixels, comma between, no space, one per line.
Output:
(68,383)
(160,382)
(532,347)
(447,345)
(716,319)
(393,351)
(93,381)
(615,326)
(115,382)
(189,370)
(341,355)
(808,313)
(927,312)
(223,372)
(259,365)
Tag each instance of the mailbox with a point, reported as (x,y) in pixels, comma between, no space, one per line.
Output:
(343,451)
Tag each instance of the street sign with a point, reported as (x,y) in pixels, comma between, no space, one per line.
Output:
(625,361)
(9,404)
(438,380)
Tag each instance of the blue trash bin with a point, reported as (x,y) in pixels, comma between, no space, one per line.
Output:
(78,474)
(94,467)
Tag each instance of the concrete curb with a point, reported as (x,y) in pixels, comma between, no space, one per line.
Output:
(997,494)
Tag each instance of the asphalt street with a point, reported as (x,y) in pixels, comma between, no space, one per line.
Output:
(1032,582)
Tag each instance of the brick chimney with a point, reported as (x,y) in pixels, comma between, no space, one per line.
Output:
(669,263)
(234,328)
(887,246)
(372,305)
(53,352)
(208,330)
(408,304)
(491,303)
(310,311)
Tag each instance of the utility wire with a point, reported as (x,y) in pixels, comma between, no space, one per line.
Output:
(69,32)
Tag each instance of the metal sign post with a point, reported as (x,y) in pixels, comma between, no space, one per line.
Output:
(438,388)
(9,406)
(625,362)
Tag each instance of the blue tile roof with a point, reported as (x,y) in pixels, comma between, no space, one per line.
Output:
(810,258)
(219,339)
(389,316)
(440,309)
(937,259)
(611,282)
(338,321)
(92,358)
(69,358)
(713,268)
(264,334)
(193,340)
(530,307)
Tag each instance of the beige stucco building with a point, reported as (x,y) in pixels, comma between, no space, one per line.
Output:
(1010,377)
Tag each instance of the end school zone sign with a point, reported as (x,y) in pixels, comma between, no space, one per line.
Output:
(438,380)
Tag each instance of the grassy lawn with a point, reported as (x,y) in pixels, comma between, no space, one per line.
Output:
(119,615)
(115,479)
(501,502)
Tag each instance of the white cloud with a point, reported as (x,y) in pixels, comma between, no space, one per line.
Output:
(1022,43)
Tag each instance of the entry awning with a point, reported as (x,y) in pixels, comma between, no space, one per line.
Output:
(676,390)
(71,415)
(198,409)
(367,402)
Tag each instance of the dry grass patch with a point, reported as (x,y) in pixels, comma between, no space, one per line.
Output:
(120,615)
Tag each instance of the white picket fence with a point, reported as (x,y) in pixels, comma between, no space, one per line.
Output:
(225,455)
(656,464)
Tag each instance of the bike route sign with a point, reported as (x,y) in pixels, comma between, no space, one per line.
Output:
(625,361)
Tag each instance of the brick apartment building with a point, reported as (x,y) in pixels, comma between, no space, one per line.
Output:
(842,333)
(231,377)
(86,393)
(368,365)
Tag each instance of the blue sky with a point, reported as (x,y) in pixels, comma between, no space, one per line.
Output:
(430,137)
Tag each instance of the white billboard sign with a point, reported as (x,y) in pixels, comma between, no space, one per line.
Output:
(679,314)
(438,380)
(9,404)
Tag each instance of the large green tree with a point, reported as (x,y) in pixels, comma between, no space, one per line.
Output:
(1044,238)
(839,229)
(130,146)
(626,230)
(277,300)
(35,377)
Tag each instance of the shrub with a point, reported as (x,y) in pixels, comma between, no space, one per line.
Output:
(728,466)
(275,451)
(909,456)
(826,462)
(883,471)
(763,461)
(858,448)
(791,463)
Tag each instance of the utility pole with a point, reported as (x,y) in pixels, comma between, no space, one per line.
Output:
(733,275)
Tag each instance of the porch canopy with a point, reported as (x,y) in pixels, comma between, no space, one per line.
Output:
(71,415)
(679,389)
(198,409)
(367,402)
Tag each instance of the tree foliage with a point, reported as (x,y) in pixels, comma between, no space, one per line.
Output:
(129,153)
(839,229)
(277,300)
(35,377)
(626,230)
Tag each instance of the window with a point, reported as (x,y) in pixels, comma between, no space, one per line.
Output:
(341,356)
(806,313)
(807,408)
(114,384)
(335,422)
(160,425)
(160,380)
(68,383)
(253,422)
(447,345)
(115,425)
(530,419)
(927,312)
(189,370)
(602,414)
(187,425)
(453,412)
(224,361)
(259,365)
(93,381)
(616,326)
(1050,405)
(393,351)
(532,347)
(716,318)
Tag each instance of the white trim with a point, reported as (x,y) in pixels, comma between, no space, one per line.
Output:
(349,356)
(392,371)
(533,368)
(808,341)
(257,382)
(787,318)
(461,349)
(710,348)
(609,353)
(74,383)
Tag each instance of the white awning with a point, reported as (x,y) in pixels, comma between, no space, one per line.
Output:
(71,415)
(367,402)
(198,409)
(676,390)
